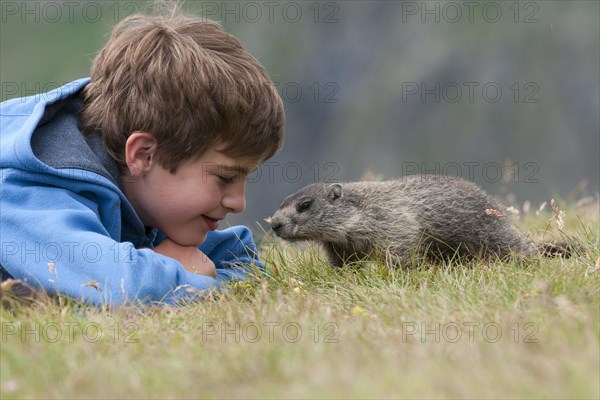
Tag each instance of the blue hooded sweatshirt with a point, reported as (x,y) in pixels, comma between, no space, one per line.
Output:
(67,227)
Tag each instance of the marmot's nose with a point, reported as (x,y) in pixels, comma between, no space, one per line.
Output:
(276,226)
(275,223)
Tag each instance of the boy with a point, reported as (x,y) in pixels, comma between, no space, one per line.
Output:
(113,186)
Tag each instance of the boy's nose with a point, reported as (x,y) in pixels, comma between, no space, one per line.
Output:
(235,202)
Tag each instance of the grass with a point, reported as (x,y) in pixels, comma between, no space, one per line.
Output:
(491,330)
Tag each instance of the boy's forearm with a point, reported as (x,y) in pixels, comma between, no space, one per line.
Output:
(85,263)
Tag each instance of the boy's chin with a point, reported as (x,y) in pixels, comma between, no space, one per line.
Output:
(188,240)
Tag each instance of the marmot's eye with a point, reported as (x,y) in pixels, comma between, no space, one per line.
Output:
(305,205)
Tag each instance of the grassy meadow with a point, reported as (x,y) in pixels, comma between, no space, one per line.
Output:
(479,330)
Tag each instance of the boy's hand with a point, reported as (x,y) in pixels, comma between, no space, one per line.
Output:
(192,259)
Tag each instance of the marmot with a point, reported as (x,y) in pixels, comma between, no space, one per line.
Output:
(407,221)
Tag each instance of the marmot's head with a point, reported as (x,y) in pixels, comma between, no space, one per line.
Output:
(315,212)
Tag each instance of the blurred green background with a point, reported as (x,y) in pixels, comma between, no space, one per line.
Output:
(504,93)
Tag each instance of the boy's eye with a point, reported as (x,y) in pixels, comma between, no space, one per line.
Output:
(226,180)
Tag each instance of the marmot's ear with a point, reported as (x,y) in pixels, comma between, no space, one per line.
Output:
(335,192)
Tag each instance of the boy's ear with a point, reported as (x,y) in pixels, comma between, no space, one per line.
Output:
(140,150)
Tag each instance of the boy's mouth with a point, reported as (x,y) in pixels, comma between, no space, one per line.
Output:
(211,222)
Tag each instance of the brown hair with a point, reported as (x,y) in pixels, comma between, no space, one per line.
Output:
(187,82)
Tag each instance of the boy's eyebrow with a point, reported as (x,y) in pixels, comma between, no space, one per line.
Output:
(238,169)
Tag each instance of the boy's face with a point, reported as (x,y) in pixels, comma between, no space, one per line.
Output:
(188,204)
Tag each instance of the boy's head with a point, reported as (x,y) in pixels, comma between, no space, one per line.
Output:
(187,82)
(186,113)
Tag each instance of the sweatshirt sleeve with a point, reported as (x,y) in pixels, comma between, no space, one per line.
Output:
(54,239)
(234,253)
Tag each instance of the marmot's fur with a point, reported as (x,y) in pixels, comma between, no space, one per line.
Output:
(405,220)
